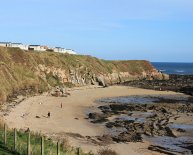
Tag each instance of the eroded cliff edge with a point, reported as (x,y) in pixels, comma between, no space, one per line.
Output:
(39,71)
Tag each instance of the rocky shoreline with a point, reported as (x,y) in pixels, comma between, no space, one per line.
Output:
(150,119)
(139,119)
(177,83)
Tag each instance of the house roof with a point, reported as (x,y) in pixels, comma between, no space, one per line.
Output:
(34,45)
(69,49)
(17,43)
(58,47)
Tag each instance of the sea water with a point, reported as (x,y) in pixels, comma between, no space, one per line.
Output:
(174,68)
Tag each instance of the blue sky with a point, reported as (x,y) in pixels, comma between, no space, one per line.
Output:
(155,30)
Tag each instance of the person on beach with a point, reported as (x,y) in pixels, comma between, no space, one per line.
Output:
(61,105)
(28,130)
(48,114)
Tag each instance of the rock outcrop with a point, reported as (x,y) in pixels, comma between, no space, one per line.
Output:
(84,76)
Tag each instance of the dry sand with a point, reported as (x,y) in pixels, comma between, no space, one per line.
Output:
(71,118)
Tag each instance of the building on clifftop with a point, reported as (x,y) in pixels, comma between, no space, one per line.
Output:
(5,44)
(63,50)
(19,45)
(37,48)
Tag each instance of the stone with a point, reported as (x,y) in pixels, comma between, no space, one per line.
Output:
(180,130)
(97,118)
(100,80)
(128,137)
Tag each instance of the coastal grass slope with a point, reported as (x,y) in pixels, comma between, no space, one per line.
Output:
(28,71)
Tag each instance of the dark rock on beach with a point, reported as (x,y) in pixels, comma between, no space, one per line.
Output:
(155,119)
(97,117)
(180,130)
(128,137)
(178,83)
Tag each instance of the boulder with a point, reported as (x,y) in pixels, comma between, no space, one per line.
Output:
(100,80)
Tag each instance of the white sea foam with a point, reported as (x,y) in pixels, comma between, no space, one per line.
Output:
(180,71)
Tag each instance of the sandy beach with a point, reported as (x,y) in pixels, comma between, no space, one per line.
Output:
(70,121)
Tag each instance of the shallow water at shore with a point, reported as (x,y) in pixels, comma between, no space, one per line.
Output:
(129,99)
(187,127)
(181,144)
(136,116)
(142,99)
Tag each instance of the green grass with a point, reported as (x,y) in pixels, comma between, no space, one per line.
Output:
(5,151)
(35,141)
(18,69)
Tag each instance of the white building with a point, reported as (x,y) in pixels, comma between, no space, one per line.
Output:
(70,51)
(20,45)
(63,50)
(5,44)
(36,48)
(58,49)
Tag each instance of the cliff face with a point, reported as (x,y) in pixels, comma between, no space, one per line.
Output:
(36,71)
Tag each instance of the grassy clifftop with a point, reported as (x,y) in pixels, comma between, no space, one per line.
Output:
(19,70)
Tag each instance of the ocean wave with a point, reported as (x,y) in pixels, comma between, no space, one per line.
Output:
(180,71)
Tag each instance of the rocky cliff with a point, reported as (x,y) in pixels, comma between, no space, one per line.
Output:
(25,71)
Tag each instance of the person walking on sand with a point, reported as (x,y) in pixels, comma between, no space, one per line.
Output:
(48,114)
(61,105)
